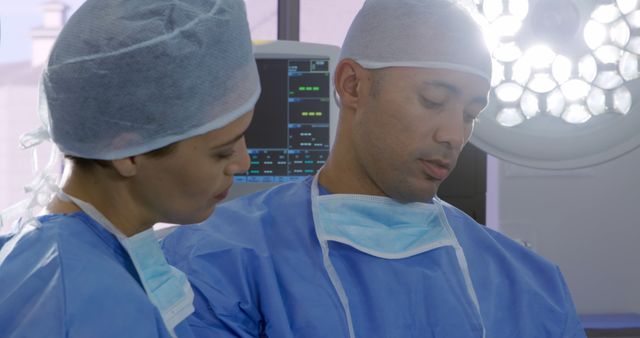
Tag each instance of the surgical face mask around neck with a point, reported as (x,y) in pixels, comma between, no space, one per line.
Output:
(380,226)
(384,228)
(168,288)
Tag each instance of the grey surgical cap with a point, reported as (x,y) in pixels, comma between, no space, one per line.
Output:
(417,33)
(129,76)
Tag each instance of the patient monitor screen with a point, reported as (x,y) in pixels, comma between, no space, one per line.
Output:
(288,138)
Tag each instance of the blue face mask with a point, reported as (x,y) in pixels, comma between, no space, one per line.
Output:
(381,227)
(168,288)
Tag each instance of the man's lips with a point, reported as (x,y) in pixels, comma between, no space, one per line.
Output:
(438,169)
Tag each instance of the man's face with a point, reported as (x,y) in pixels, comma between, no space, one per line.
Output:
(409,131)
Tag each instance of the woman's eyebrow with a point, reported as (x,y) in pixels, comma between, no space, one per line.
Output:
(230,142)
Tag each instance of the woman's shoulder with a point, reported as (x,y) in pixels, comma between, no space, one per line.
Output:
(58,247)
(59,236)
(66,278)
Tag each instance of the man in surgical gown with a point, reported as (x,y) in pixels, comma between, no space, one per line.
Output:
(365,248)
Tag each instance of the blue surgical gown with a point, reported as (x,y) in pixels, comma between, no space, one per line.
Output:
(71,278)
(256,268)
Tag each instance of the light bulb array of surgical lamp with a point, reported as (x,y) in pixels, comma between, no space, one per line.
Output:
(571,60)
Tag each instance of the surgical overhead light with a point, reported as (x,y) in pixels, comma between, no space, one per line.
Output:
(563,83)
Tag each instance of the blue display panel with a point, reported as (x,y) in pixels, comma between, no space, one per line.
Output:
(289,136)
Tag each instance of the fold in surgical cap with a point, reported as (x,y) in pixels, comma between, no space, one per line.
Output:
(417,33)
(129,76)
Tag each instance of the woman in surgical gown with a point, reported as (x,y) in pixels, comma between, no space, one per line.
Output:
(148,100)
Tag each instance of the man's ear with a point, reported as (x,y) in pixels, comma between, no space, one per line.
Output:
(349,80)
(126,167)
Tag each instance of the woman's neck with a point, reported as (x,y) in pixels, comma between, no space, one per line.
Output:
(106,191)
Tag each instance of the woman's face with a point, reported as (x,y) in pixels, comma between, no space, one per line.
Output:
(184,185)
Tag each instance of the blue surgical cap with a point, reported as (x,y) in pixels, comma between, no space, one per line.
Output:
(417,33)
(126,77)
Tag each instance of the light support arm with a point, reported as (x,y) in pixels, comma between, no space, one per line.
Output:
(289,20)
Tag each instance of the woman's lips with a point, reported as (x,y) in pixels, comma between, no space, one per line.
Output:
(223,194)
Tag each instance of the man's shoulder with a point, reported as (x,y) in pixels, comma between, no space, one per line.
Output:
(271,200)
(492,245)
(248,222)
(496,259)
(267,209)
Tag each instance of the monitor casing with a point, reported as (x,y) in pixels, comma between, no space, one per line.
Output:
(293,50)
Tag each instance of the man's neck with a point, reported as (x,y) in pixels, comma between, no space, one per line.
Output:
(343,175)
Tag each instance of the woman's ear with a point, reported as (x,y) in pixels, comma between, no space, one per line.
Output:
(126,167)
